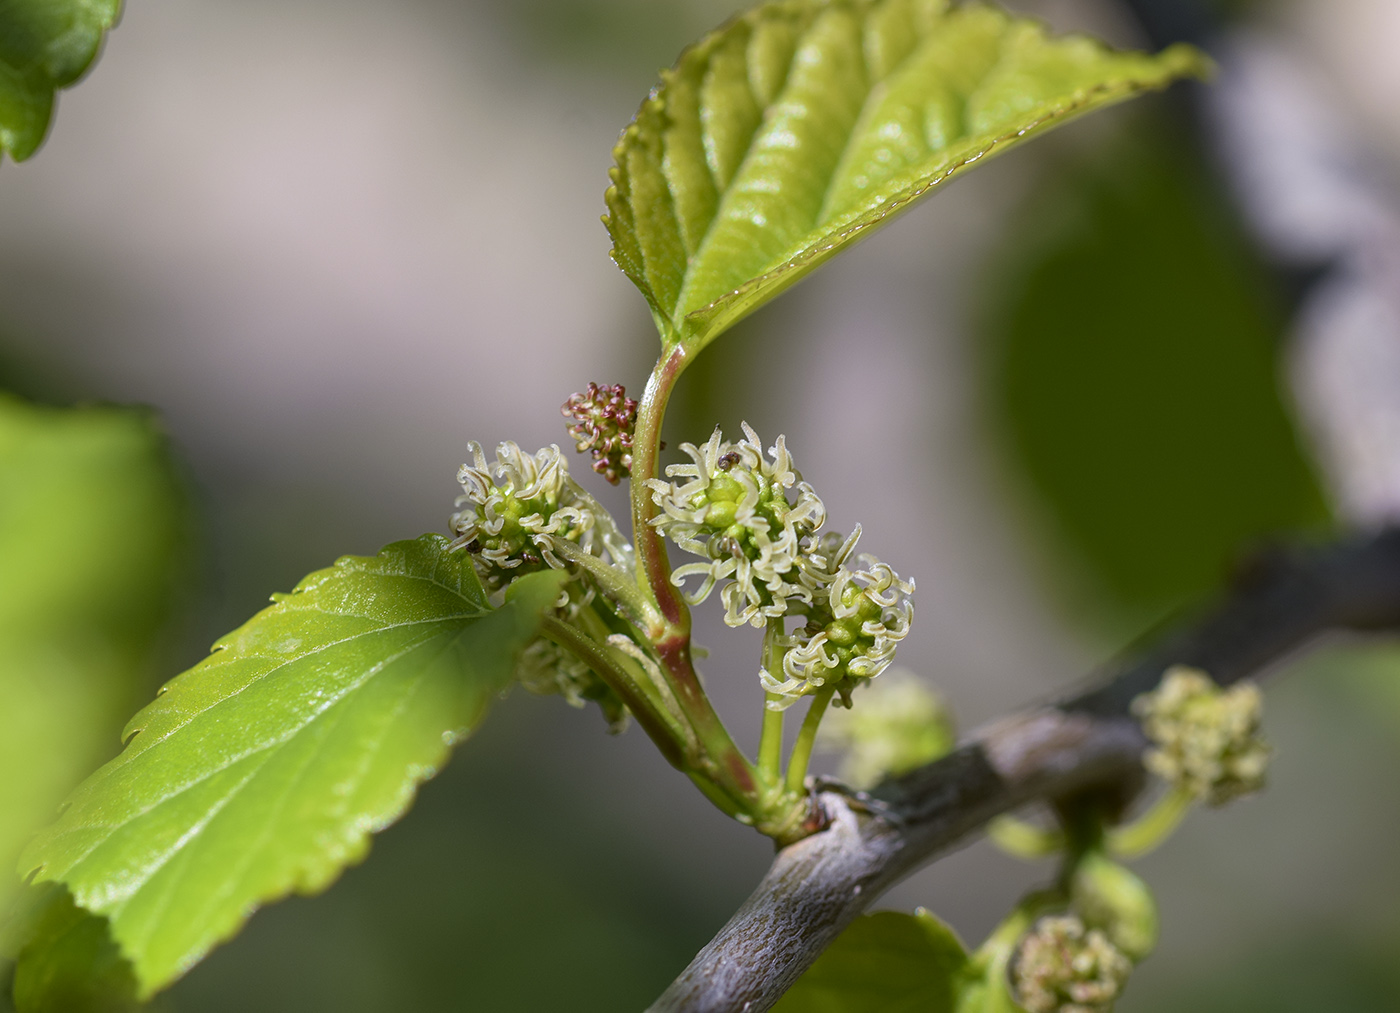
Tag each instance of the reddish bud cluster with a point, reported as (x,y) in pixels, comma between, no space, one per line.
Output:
(604,418)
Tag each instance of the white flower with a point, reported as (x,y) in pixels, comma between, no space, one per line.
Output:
(855,623)
(513,512)
(734,510)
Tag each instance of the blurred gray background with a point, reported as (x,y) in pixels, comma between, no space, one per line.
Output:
(332,242)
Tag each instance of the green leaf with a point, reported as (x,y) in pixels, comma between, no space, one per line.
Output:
(44,45)
(93,532)
(888,962)
(264,769)
(802,125)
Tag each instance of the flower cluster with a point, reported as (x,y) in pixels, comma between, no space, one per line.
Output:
(1206,739)
(1062,967)
(604,420)
(524,513)
(514,513)
(756,523)
(734,510)
(854,624)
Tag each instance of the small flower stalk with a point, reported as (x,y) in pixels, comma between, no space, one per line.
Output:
(757,525)
(604,420)
(1060,966)
(1205,739)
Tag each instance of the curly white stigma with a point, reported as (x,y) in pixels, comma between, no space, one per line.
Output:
(756,522)
(513,512)
(856,620)
(734,510)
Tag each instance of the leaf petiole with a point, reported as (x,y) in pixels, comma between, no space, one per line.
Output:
(661,727)
(1132,840)
(616,587)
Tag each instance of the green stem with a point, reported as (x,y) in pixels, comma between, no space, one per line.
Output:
(653,566)
(722,762)
(616,587)
(659,726)
(995,952)
(1024,840)
(806,739)
(770,743)
(596,627)
(1137,838)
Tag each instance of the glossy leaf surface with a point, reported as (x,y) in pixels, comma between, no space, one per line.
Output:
(264,769)
(802,125)
(93,530)
(888,962)
(44,45)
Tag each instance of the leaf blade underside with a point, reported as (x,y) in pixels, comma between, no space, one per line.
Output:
(44,45)
(263,770)
(802,125)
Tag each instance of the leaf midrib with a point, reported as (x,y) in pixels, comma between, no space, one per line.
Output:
(215,660)
(677,318)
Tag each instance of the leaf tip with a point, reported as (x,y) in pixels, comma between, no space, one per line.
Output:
(1184,60)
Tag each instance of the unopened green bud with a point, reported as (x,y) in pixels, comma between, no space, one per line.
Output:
(1061,966)
(900,724)
(1206,739)
(1109,897)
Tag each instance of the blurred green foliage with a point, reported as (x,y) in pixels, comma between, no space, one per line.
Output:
(1135,377)
(68,962)
(885,963)
(94,536)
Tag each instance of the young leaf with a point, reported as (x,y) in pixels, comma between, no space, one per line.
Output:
(264,769)
(44,45)
(802,125)
(93,532)
(888,962)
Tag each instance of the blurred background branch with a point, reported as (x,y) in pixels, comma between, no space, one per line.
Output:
(1089,742)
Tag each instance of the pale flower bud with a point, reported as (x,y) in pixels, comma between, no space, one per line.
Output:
(1062,967)
(900,724)
(1206,739)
